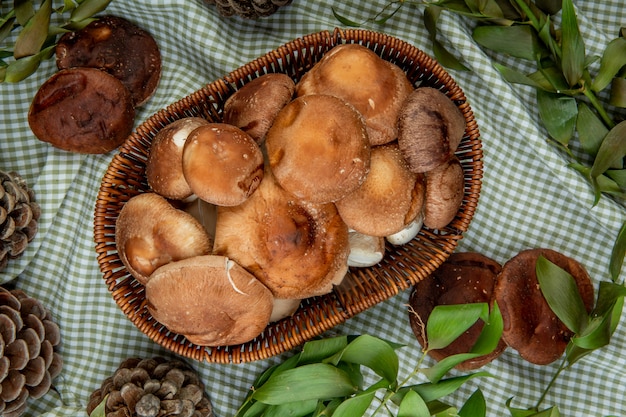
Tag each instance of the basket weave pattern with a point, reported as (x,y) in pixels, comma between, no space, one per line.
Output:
(363,288)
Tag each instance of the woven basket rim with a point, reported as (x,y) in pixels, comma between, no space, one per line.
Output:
(364,287)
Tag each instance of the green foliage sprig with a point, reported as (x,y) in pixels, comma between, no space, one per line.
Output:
(38,32)
(570,98)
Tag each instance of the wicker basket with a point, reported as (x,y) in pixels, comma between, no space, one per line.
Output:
(364,287)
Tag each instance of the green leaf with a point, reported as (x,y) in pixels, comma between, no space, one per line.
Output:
(344,20)
(21,68)
(437,371)
(520,412)
(293,409)
(516,77)
(5,28)
(372,352)
(618,93)
(318,350)
(475,406)
(573,48)
(355,406)
(612,149)
(591,130)
(561,292)
(431,392)
(33,36)
(447,322)
(442,55)
(613,59)
(558,113)
(440,409)
(517,41)
(413,405)
(491,333)
(255,409)
(618,253)
(24,11)
(550,7)
(99,411)
(308,382)
(87,9)
(617,175)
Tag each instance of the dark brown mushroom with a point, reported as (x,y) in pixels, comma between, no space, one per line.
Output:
(530,326)
(119,47)
(465,277)
(445,189)
(82,110)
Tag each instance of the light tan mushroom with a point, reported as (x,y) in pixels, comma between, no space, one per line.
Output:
(164,167)
(374,86)
(222,164)
(150,232)
(430,128)
(365,250)
(318,148)
(297,249)
(444,194)
(390,198)
(209,299)
(284,308)
(254,106)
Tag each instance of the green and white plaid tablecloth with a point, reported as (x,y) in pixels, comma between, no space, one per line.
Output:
(529,199)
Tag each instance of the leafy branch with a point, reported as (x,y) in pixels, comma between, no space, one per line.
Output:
(38,32)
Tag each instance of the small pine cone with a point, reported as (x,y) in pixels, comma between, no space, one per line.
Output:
(19,213)
(28,360)
(152,388)
(248,9)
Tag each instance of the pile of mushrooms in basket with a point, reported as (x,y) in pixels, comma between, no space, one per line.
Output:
(298,182)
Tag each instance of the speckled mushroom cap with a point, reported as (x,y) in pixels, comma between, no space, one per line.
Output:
(119,47)
(465,277)
(445,186)
(530,326)
(82,110)
(375,87)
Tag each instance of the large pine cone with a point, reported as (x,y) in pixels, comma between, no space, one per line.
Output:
(18,216)
(248,9)
(28,361)
(151,388)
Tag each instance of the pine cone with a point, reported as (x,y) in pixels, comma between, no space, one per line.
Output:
(18,216)
(151,388)
(248,9)
(28,361)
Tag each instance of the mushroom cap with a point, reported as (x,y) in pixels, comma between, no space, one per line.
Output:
(296,248)
(222,164)
(445,189)
(530,326)
(211,300)
(150,232)
(82,110)
(164,168)
(254,106)
(430,128)
(375,87)
(119,47)
(318,148)
(389,199)
(465,277)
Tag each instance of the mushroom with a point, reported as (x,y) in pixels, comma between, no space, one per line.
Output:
(374,86)
(164,167)
(389,199)
(365,250)
(430,128)
(465,277)
(117,46)
(318,148)
(222,164)
(150,232)
(82,110)
(530,325)
(284,308)
(296,248)
(254,106)
(209,299)
(407,234)
(445,187)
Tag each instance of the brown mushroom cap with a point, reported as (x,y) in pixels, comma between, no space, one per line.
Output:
(82,110)
(254,106)
(118,47)
(375,87)
(164,168)
(389,199)
(530,326)
(318,148)
(222,164)
(150,232)
(297,249)
(430,128)
(465,277)
(445,186)
(211,300)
